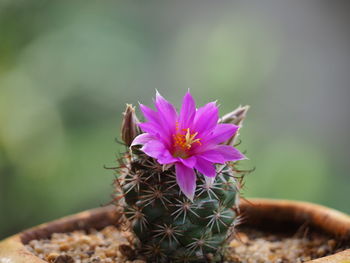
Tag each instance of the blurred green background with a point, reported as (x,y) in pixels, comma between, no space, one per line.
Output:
(67,68)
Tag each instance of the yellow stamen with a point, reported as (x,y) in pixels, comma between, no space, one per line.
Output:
(185,141)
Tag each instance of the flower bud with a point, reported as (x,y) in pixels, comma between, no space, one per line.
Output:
(130,128)
(235,117)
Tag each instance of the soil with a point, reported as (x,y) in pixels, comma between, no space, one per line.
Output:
(112,245)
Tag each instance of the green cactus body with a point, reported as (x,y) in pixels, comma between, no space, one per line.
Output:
(170,227)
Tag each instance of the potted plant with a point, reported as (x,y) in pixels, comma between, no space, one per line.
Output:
(178,192)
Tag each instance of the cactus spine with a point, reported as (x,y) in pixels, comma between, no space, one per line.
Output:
(169,226)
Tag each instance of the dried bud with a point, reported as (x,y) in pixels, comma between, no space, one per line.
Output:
(235,117)
(130,128)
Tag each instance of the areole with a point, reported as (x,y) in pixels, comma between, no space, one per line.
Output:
(277,212)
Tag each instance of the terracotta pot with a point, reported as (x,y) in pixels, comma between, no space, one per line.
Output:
(280,214)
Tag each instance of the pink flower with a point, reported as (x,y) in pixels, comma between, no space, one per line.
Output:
(189,140)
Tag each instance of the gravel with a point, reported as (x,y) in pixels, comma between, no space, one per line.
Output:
(253,246)
(111,245)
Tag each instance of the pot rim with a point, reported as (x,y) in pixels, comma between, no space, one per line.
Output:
(323,218)
(259,210)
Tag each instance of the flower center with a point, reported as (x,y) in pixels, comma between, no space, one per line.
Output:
(183,143)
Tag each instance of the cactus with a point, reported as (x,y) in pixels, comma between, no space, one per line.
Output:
(173,221)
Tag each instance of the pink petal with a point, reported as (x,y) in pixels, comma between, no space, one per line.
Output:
(157,150)
(156,124)
(222,133)
(213,156)
(149,114)
(142,139)
(188,111)
(205,167)
(166,109)
(157,131)
(189,162)
(167,118)
(186,180)
(206,118)
(150,128)
(229,153)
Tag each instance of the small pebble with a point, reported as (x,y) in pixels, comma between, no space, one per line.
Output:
(52,257)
